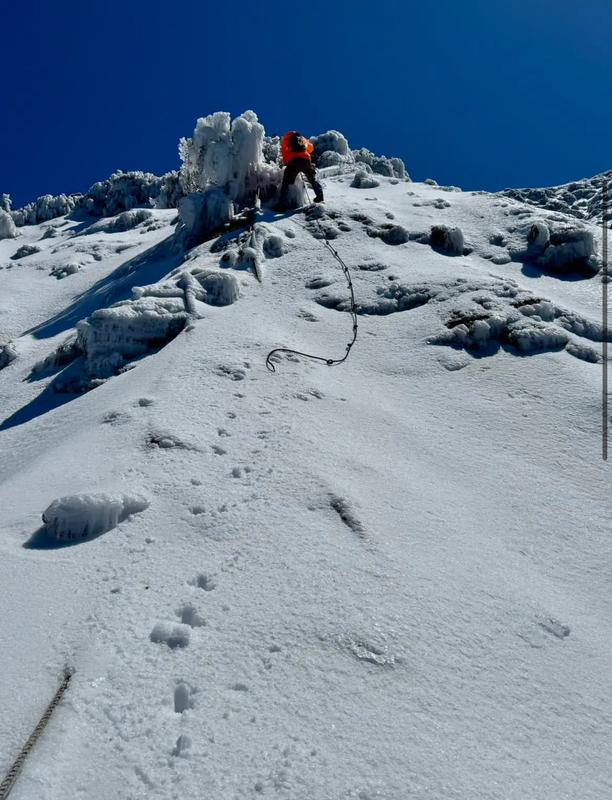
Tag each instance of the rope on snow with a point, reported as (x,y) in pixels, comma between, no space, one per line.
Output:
(353,310)
(11,776)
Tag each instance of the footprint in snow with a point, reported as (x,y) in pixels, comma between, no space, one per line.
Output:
(204,581)
(189,615)
(170,633)
(183,697)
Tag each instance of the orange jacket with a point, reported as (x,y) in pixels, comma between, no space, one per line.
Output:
(287,153)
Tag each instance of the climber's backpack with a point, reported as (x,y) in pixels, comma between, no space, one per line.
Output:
(297,143)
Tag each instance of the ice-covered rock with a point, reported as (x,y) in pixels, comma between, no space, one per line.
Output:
(539,236)
(202,213)
(127,330)
(8,229)
(571,249)
(45,208)
(24,251)
(228,155)
(121,192)
(364,181)
(448,240)
(330,141)
(8,353)
(83,516)
(219,288)
(390,167)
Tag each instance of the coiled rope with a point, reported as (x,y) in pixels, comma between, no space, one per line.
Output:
(353,309)
(11,776)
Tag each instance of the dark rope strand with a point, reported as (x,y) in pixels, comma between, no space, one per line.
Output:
(353,310)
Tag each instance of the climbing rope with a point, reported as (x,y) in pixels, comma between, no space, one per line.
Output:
(353,309)
(11,776)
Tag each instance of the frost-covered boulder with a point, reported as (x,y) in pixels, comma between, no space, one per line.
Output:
(448,240)
(330,159)
(219,288)
(271,149)
(45,208)
(570,250)
(170,191)
(331,141)
(24,251)
(364,181)
(121,192)
(202,213)
(83,516)
(112,336)
(390,167)
(8,353)
(8,229)
(538,237)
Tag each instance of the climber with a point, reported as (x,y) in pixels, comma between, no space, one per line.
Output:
(296,155)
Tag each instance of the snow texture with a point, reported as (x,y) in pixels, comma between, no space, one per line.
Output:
(84,516)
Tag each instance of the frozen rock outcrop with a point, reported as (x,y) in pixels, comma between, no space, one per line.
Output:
(112,336)
(228,155)
(448,240)
(218,288)
(364,181)
(8,229)
(45,208)
(83,516)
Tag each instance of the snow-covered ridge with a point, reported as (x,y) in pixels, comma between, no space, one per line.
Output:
(582,199)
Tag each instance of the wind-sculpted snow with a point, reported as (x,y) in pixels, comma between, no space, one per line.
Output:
(84,516)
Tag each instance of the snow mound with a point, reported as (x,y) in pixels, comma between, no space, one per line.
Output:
(8,229)
(127,330)
(83,516)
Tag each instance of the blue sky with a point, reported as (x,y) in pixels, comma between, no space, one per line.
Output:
(477,93)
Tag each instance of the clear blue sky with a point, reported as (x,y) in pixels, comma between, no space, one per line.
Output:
(478,93)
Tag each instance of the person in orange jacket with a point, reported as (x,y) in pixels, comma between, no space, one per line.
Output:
(296,153)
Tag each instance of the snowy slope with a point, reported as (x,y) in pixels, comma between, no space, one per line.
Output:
(390,578)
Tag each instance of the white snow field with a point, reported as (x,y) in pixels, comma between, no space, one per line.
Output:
(387,579)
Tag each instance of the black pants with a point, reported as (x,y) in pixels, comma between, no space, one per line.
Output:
(292,170)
